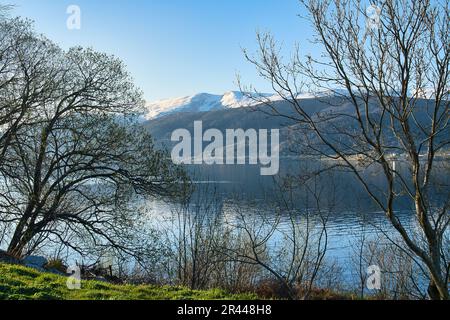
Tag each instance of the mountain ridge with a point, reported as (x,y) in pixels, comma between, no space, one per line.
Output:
(335,107)
(202,102)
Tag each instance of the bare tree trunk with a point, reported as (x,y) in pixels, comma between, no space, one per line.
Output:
(384,69)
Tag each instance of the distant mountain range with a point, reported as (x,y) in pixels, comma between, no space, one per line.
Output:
(203,102)
(231,111)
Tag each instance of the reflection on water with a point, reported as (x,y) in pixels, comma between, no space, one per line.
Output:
(345,229)
(350,214)
(239,192)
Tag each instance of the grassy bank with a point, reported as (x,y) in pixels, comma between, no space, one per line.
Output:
(18,282)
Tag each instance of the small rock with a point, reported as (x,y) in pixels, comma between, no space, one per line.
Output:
(36,262)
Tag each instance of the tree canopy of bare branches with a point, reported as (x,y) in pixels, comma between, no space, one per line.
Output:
(73,155)
(392,74)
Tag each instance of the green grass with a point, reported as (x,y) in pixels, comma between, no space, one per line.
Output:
(22,283)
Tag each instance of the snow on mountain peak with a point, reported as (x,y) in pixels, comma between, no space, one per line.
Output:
(201,102)
(236,99)
(204,102)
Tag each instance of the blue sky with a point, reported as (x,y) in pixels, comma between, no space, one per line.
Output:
(174,47)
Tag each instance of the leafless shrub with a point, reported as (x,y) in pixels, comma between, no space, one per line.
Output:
(383,73)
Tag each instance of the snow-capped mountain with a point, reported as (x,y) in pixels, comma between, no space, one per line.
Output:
(202,102)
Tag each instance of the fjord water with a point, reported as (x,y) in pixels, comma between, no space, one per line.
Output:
(240,191)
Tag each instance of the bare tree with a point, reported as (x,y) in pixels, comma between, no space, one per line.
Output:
(25,76)
(82,156)
(385,62)
(196,227)
(287,243)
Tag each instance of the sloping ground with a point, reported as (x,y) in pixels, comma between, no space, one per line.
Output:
(22,283)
